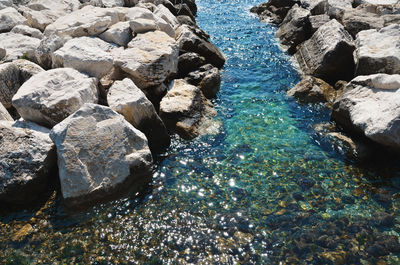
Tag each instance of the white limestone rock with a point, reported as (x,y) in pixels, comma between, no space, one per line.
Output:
(39,19)
(165,14)
(27,31)
(107,3)
(127,99)
(150,59)
(18,46)
(65,6)
(27,161)
(89,55)
(3,53)
(119,33)
(378,51)
(9,83)
(99,153)
(27,69)
(9,18)
(49,97)
(5,3)
(370,105)
(48,45)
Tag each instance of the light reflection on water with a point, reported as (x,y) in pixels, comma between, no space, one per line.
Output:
(265,188)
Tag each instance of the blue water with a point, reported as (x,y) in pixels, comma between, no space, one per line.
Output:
(263,187)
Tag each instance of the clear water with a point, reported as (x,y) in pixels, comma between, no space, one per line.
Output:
(263,188)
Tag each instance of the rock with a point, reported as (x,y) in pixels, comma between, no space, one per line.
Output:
(355,21)
(18,46)
(184,10)
(27,31)
(328,54)
(40,19)
(191,42)
(4,114)
(186,20)
(99,154)
(317,21)
(336,8)
(127,99)
(107,3)
(273,11)
(143,25)
(353,149)
(9,18)
(189,62)
(376,2)
(370,105)
(150,59)
(27,161)
(163,12)
(378,51)
(9,83)
(27,69)
(119,33)
(3,53)
(183,108)
(313,90)
(295,28)
(5,3)
(49,97)
(207,78)
(48,45)
(62,6)
(89,55)
(316,7)
(88,21)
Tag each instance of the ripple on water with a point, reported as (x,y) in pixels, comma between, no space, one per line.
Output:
(265,188)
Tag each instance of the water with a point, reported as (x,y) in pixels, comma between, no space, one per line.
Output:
(263,188)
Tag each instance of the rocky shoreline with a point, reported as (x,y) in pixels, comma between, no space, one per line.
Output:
(348,52)
(91,91)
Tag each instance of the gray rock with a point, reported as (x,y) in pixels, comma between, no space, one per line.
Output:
(378,51)
(328,54)
(4,114)
(27,161)
(18,46)
(317,21)
(150,59)
(27,69)
(119,33)
(27,31)
(99,154)
(313,90)
(295,28)
(189,62)
(9,83)
(189,41)
(273,11)
(3,53)
(107,3)
(9,18)
(207,78)
(40,19)
(127,99)
(370,105)
(48,45)
(49,97)
(355,20)
(5,3)
(336,8)
(316,7)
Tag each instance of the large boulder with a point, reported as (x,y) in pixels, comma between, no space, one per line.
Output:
(295,28)
(355,20)
(328,54)
(9,18)
(318,21)
(127,99)
(119,33)
(99,153)
(107,3)
(27,69)
(65,6)
(189,41)
(5,3)
(336,8)
(316,7)
(3,53)
(378,51)
(27,161)
(189,62)
(4,114)
(18,46)
(313,90)
(207,78)
(27,31)
(48,45)
(274,11)
(89,55)
(370,105)
(150,59)
(49,97)
(183,109)
(9,83)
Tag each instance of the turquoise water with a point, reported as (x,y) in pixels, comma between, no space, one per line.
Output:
(261,188)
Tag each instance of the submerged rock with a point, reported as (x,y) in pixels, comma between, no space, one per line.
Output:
(312,90)
(127,99)
(378,51)
(49,97)
(328,54)
(99,154)
(370,105)
(27,161)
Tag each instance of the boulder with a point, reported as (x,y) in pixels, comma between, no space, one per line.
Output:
(273,11)
(184,10)
(127,99)
(317,21)
(99,154)
(9,83)
(62,6)
(107,3)
(3,53)
(150,59)
(27,69)
(27,161)
(18,46)
(48,45)
(183,109)
(39,19)
(378,51)
(336,8)
(328,54)
(207,78)
(9,18)
(27,31)
(163,12)
(189,62)
(370,105)
(49,97)
(5,3)
(143,25)
(355,20)
(376,2)
(295,28)
(191,42)
(119,33)
(4,114)
(316,7)
(89,55)
(313,90)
